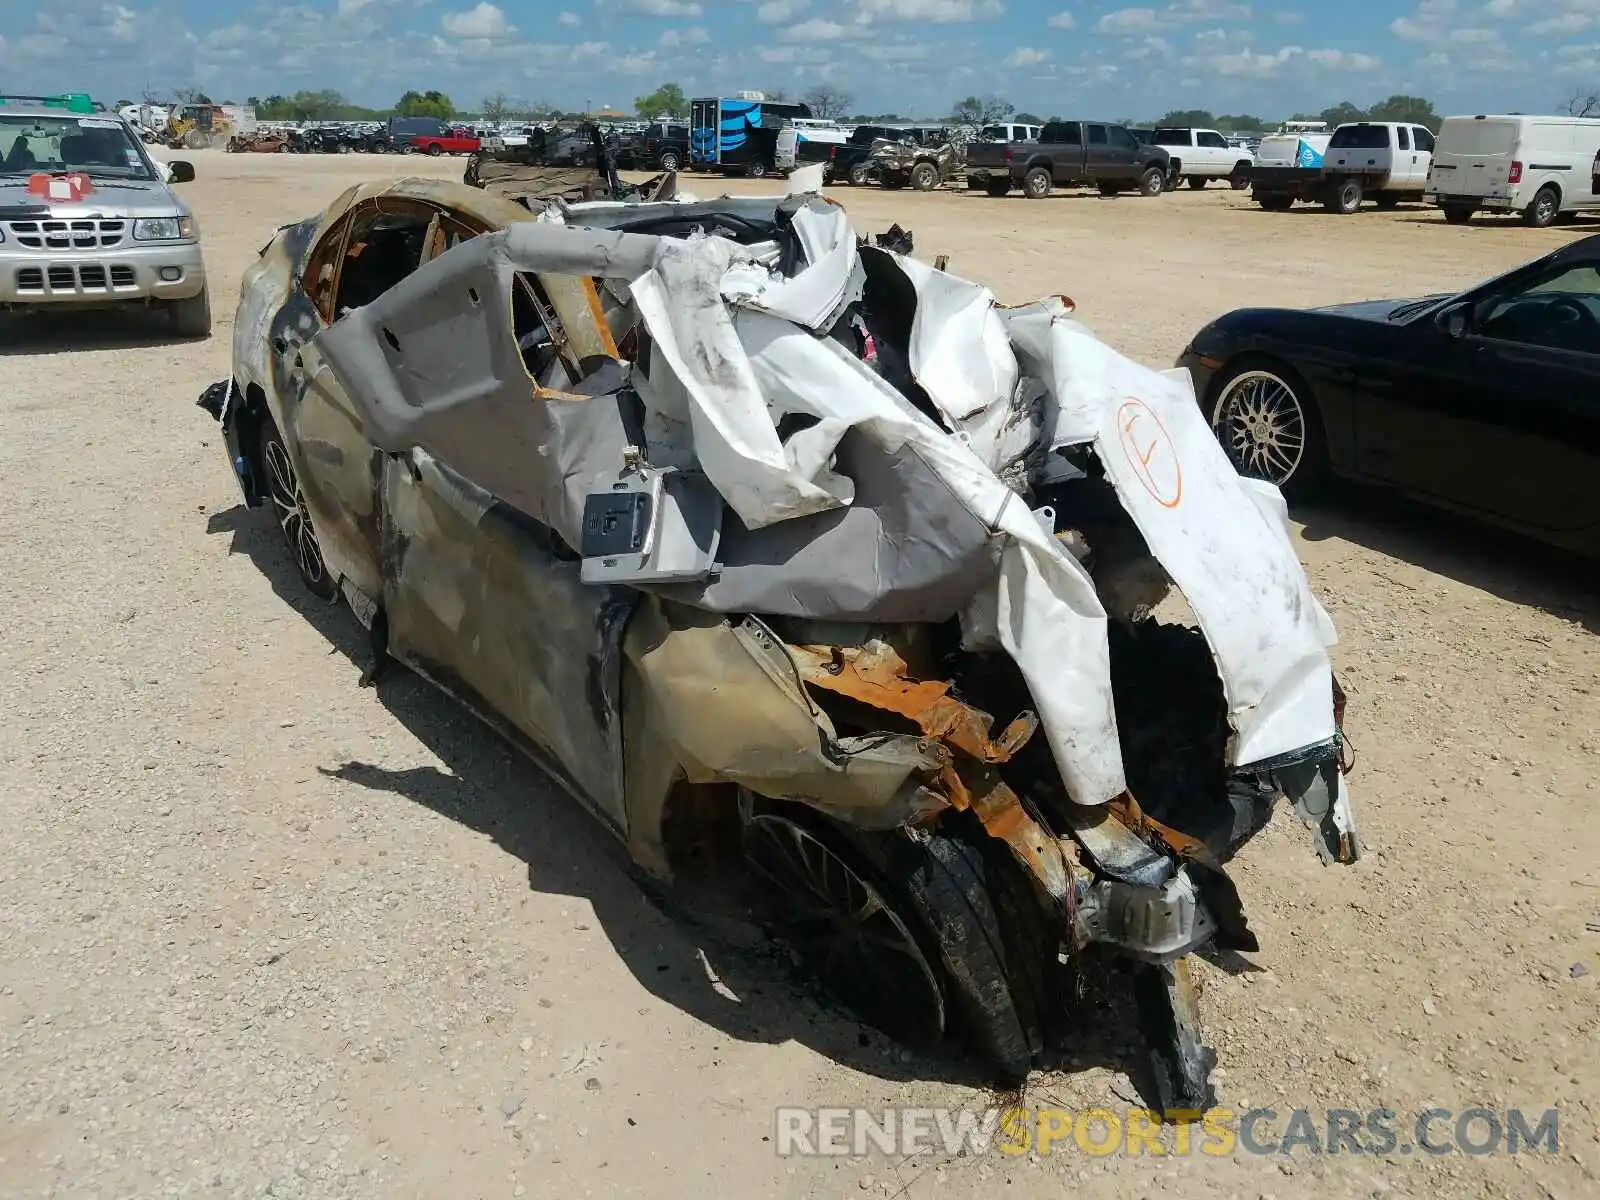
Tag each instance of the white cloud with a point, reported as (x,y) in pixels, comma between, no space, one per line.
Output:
(1062,20)
(636,64)
(123,23)
(1500,8)
(569,19)
(897,52)
(485,21)
(1151,48)
(1289,18)
(1244,62)
(348,8)
(815,30)
(1129,22)
(797,55)
(1430,23)
(1573,22)
(1207,10)
(1344,60)
(776,12)
(693,36)
(934,12)
(1026,56)
(665,8)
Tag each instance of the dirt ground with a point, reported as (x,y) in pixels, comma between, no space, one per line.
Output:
(265,932)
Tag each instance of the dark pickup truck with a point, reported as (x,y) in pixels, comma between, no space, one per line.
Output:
(1067,154)
(664,146)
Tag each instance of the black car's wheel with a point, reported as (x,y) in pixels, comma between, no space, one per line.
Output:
(998,187)
(929,940)
(847,926)
(1387,201)
(1275,203)
(860,174)
(1345,198)
(1457,214)
(756,170)
(435,150)
(1240,179)
(1197,182)
(1544,208)
(288,505)
(1264,416)
(1151,183)
(1106,188)
(670,161)
(924,177)
(1036,183)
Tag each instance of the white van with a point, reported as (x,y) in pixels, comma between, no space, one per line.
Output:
(1537,166)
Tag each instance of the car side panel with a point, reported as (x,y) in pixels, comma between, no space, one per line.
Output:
(335,461)
(482,600)
(1508,430)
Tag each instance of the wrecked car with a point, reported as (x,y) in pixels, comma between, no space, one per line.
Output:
(899,163)
(538,185)
(736,522)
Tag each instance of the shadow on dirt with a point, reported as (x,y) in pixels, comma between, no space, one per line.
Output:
(87,332)
(1513,568)
(695,947)
(1499,222)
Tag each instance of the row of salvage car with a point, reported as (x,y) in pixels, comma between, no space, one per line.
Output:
(737,522)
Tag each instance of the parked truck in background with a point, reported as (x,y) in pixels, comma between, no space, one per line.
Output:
(665,146)
(1201,155)
(1385,160)
(1538,167)
(1069,154)
(851,161)
(430,135)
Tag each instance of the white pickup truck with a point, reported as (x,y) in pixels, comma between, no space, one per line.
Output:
(1385,161)
(1201,155)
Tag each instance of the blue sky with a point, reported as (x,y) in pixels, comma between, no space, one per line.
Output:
(909,56)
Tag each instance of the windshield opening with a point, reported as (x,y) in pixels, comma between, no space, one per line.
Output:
(97,146)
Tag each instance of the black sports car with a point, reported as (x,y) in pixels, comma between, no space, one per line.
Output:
(1486,402)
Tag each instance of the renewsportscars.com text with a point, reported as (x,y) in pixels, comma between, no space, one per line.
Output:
(854,1132)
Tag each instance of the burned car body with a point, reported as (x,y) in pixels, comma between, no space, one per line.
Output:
(900,163)
(724,515)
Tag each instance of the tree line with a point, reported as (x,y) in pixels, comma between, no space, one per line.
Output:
(825,101)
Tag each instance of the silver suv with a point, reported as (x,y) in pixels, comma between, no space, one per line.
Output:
(88,219)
